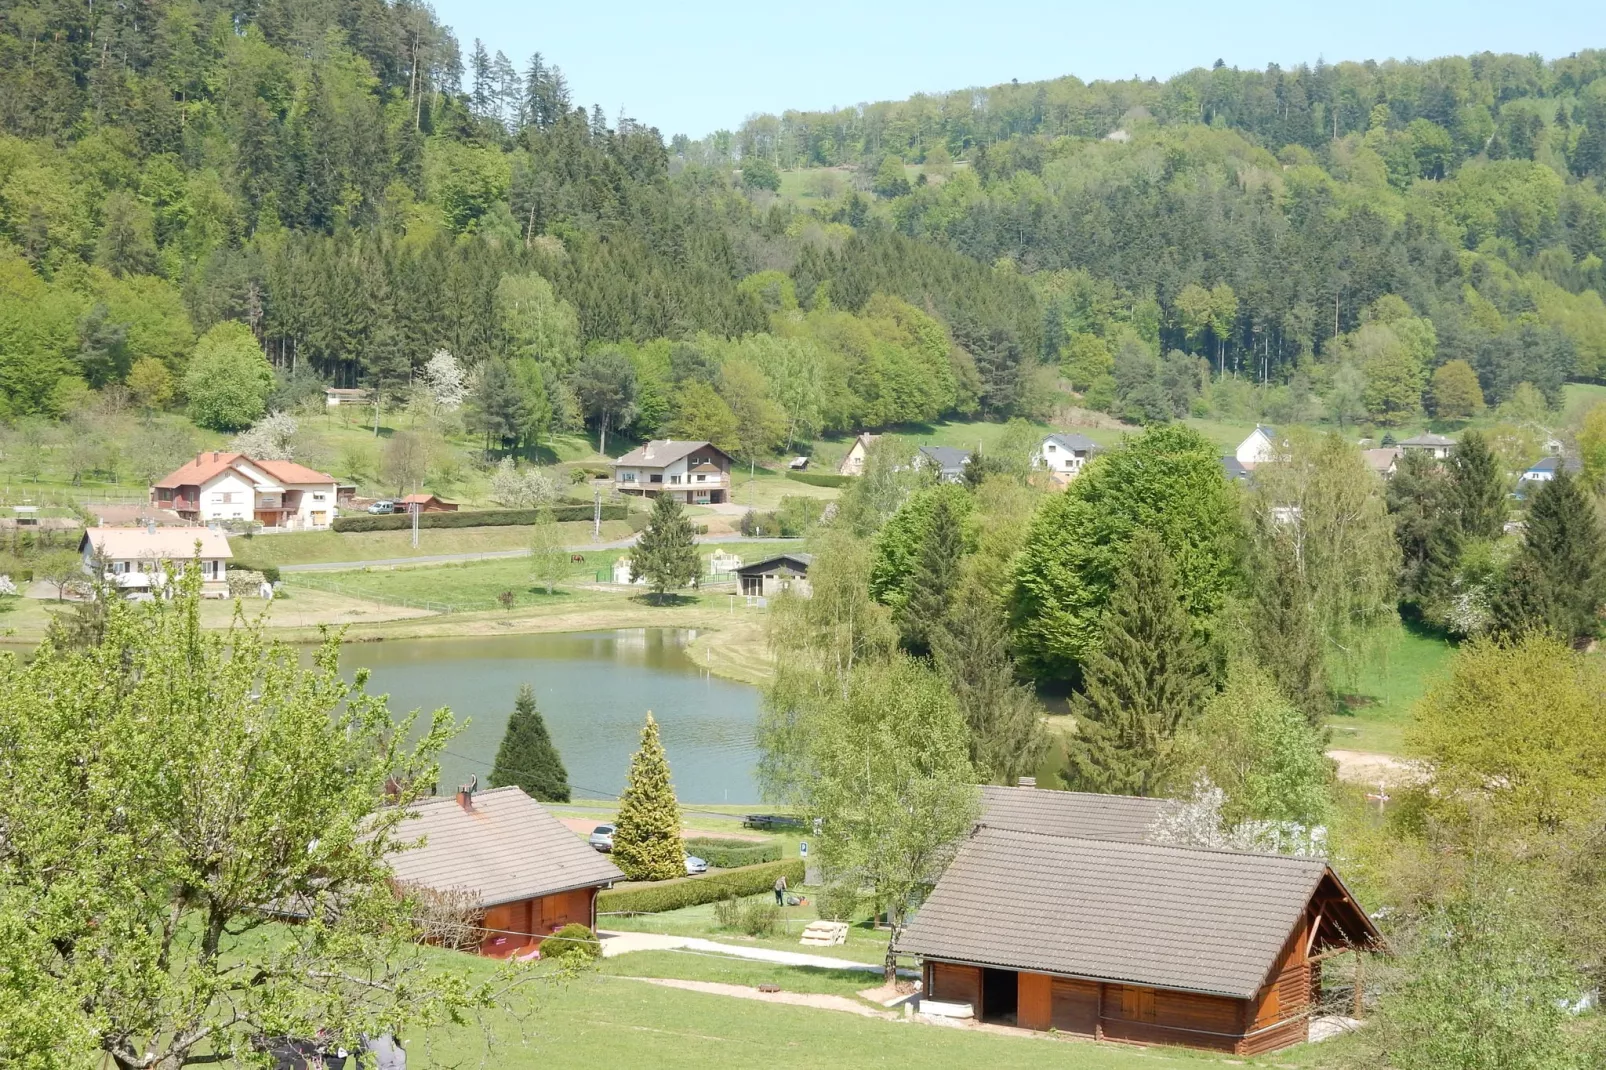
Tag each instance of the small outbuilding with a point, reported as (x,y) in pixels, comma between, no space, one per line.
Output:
(426,503)
(771,576)
(509,860)
(1060,912)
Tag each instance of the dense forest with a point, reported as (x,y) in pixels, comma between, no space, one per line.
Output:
(338,177)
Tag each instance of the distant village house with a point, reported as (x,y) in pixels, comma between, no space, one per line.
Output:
(147,559)
(698,473)
(219,486)
(1063,455)
(1436,446)
(853,463)
(771,576)
(1260,446)
(947,461)
(336,396)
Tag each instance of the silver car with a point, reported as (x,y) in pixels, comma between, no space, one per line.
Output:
(602,838)
(695,865)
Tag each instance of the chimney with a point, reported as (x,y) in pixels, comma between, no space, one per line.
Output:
(1026,782)
(150,526)
(465,793)
(216,455)
(199,457)
(646,453)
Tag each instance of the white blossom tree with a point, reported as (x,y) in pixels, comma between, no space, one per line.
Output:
(272,438)
(445,380)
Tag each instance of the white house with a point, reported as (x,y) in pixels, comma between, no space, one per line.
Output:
(145,559)
(1260,446)
(1545,469)
(698,473)
(336,396)
(853,463)
(1063,454)
(1436,446)
(947,461)
(219,486)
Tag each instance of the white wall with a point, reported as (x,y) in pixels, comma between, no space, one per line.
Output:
(1256,448)
(228,496)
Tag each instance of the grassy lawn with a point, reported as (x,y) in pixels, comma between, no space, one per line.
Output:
(317,547)
(1385,691)
(723,969)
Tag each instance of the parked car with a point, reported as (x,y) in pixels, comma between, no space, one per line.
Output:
(602,838)
(382,507)
(695,865)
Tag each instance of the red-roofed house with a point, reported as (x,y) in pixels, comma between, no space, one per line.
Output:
(223,486)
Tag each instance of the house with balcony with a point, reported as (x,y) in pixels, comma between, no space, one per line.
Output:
(698,473)
(218,487)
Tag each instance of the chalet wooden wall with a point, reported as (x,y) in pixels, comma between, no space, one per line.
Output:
(511,925)
(955,983)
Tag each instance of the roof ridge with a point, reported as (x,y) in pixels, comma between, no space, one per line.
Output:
(1050,792)
(1229,852)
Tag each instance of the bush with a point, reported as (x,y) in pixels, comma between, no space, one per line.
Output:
(269,572)
(755,916)
(473,518)
(732,854)
(755,524)
(574,944)
(820,479)
(244,583)
(695,891)
(838,902)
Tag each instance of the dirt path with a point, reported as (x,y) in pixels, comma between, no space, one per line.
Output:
(1374,770)
(795,999)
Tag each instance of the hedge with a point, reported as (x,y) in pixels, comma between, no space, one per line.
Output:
(473,518)
(694,891)
(269,572)
(820,479)
(731,854)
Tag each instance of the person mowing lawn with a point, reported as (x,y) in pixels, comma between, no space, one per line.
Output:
(780,890)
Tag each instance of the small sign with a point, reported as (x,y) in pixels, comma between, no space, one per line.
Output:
(802,848)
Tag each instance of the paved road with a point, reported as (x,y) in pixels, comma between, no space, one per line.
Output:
(489,555)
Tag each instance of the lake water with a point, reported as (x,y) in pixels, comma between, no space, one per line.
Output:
(594,689)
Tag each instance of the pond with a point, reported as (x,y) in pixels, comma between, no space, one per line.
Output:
(594,689)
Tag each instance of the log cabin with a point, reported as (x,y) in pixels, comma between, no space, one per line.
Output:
(525,872)
(1110,937)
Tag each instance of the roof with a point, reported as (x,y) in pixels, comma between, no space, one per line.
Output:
(1382,458)
(506,848)
(1069,813)
(1546,464)
(1078,443)
(346,391)
(210,464)
(423,499)
(661,452)
(1269,432)
(1168,917)
(948,458)
(163,544)
(1233,468)
(798,562)
(1427,440)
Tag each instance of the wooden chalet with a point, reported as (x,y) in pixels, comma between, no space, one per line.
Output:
(425,503)
(1058,914)
(527,875)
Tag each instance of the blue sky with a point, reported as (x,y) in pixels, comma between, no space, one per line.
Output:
(693,68)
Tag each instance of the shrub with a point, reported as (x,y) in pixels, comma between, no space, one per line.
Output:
(755,916)
(474,518)
(837,902)
(574,944)
(820,479)
(695,891)
(244,583)
(732,854)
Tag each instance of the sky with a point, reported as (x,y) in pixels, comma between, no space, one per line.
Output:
(697,67)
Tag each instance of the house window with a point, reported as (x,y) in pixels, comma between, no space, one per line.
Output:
(674,479)
(224,496)
(1050,447)
(627,477)
(317,497)
(656,477)
(702,478)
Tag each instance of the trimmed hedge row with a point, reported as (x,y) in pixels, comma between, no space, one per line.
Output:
(820,479)
(472,518)
(732,854)
(695,891)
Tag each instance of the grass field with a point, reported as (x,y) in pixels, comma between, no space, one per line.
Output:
(319,547)
(1386,691)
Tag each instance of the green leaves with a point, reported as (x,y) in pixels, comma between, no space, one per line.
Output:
(666,550)
(646,839)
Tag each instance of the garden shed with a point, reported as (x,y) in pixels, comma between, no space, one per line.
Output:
(771,576)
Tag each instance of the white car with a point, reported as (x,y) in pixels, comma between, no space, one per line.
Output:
(601,838)
(695,865)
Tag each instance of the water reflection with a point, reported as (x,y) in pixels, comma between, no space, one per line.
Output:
(594,690)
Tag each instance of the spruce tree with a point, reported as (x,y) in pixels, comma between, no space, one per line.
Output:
(666,552)
(527,758)
(1477,488)
(646,838)
(1560,565)
(1147,677)
(971,650)
(930,586)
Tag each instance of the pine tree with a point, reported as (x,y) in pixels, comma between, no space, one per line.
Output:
(929,589)
(527,759)
(646,837)
(484,85)
(666,552)
(1561,567)
(1146,679)
(971,650)
(1477,488)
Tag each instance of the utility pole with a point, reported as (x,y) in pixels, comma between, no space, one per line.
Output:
(415,509)
(596,515)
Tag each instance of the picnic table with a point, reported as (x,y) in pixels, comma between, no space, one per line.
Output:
(771,822)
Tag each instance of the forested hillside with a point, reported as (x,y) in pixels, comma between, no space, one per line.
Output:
(337,177)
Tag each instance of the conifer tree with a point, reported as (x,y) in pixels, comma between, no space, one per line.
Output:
(646,838)
(527,758)
(1558,579)
(666,551)
(1284,636)
(971,650)
(936,573)
(1477,488)
(1147,677)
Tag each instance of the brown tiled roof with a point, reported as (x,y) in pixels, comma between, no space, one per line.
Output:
(1161,916)
(507,848)
(212,462)
(290,471)
(665,451)
(1069,813)
(163,544)
(423,499)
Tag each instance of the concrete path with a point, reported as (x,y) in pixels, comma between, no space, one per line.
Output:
(489,555)
(796,999)
(622,943)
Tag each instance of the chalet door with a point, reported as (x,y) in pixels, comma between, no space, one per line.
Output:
(1137,1004)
